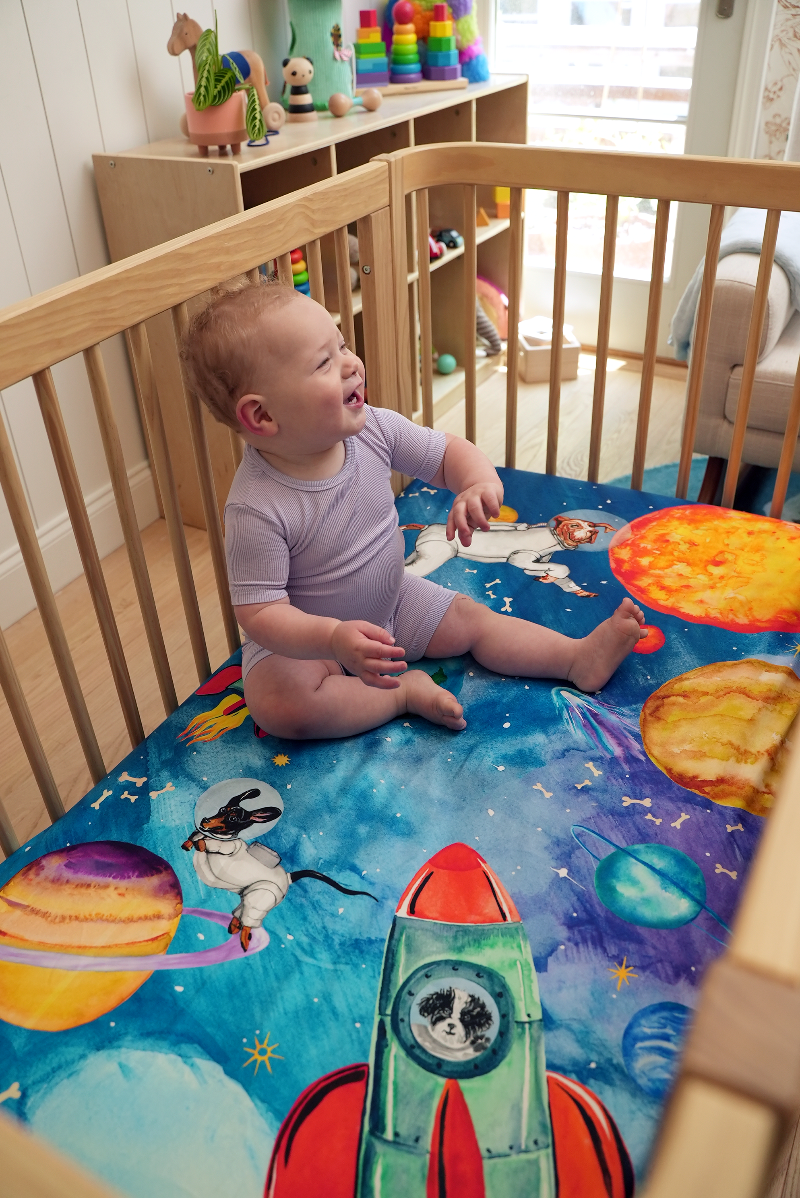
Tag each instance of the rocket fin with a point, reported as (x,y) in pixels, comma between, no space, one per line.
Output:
(590,1155)
(456,1165)
(316,1150)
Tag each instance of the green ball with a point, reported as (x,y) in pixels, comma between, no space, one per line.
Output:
(446,364)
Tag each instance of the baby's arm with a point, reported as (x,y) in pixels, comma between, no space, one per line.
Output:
(467,472)
(362,648)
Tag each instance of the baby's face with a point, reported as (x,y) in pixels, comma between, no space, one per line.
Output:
(313,386)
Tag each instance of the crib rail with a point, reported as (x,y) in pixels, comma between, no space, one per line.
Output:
(722,1130)
(707,181)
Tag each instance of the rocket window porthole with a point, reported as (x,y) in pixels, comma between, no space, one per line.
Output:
(451,1026)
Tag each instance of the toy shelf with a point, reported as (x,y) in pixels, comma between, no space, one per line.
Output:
(159,191)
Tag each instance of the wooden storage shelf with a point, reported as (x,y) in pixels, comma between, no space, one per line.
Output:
(159,191)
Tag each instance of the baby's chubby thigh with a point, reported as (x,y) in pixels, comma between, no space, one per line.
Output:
(278,692)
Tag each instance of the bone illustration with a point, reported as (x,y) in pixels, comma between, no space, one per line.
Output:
(626,801)
(491,595)
(506,603)
(428,489)
(580,785)
(97,802)
(548,794)
(734,827)
(527,546)
(680,820)
(13,1091)
(155,793)
(491,584)
(720,869)
(653,818)
(591,766)
(126,777)
(125,795)
(468,571)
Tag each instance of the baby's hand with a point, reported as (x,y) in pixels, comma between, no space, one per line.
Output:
(363,649)
(471,509)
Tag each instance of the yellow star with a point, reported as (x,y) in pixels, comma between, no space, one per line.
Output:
(622,973)
(262,1052)
(796,648)
(280,759)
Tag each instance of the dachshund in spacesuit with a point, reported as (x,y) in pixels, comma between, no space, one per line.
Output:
(254,871)
(527,546)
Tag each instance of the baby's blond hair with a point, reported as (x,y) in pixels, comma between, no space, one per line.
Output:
(218,349)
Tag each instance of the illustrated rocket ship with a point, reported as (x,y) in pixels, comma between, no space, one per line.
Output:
(456,1100)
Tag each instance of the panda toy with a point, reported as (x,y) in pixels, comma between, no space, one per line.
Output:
(298,73)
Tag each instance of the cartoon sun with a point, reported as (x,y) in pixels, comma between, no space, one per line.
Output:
(623,973)
(263,1051)
(280,759)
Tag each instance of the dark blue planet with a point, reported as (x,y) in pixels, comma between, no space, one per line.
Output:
(651,1045)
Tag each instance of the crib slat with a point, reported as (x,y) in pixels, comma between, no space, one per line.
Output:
(650,343)
(169,497)
(512,345)
(603,333)
(253,276)
(45,601)
(787,450)
(425,330)
(23,722)
(314,263)
(751,352)
(470,299)
(700,346)
(98,383)
(342,249)
(237,447)
(9,841)
(208,494)
(285,270)
(557,340)
(90,558)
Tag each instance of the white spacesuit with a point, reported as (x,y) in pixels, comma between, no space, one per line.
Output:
(252,870)
(527,546)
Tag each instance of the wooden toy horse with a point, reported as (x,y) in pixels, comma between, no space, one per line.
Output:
(185,36)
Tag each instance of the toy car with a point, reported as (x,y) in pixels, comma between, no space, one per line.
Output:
(451,238)
(435,248)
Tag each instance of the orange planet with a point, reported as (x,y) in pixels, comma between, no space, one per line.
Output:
(102,899)
(721,730)
(713,566)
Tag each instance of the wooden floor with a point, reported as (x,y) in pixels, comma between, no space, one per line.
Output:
(34,663)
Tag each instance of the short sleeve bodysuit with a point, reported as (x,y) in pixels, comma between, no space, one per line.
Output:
(333,545)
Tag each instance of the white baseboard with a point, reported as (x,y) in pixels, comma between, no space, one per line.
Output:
(58,544)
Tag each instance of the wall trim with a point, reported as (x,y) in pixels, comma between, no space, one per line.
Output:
(58,544)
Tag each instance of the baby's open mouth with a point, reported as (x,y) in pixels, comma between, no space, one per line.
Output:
(356,400)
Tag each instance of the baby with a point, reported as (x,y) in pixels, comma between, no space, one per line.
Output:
(315,555)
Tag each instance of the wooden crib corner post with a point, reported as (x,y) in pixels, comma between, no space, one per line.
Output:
(378,311)
(399,263)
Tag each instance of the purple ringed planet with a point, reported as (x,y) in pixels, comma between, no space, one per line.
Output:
(229,951)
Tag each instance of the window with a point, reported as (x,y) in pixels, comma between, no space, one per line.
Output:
(604,74)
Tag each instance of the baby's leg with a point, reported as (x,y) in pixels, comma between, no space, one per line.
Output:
(312,700)
(511,646)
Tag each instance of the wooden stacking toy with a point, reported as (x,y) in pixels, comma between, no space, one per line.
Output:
(405,65)
(442,61)
(372,65)
(300,273)
(340,104)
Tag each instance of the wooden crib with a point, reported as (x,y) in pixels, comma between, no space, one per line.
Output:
(740,1085)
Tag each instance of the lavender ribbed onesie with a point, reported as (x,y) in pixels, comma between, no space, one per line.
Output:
(333,545)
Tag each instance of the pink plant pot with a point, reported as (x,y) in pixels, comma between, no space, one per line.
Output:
(220,125)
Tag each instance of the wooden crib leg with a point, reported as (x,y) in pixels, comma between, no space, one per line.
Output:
(710,484)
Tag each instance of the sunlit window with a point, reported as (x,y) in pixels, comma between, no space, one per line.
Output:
(604,74)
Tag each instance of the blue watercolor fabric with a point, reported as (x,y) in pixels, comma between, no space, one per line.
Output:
(169,1092)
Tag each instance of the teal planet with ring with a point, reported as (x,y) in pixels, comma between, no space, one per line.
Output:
(649,885)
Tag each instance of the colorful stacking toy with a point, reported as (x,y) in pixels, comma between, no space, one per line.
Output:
(300,273)
(372,65)
(442,62)
(405,65)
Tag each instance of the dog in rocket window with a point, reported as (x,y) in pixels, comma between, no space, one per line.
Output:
(527,546)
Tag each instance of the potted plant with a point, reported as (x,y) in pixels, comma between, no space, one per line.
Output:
(224,110)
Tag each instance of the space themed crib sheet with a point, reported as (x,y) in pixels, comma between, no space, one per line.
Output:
(414,962)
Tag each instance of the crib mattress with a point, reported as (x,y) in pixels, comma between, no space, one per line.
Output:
(499,1007)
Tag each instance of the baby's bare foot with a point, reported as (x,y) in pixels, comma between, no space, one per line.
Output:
(598,654)
(423,697)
